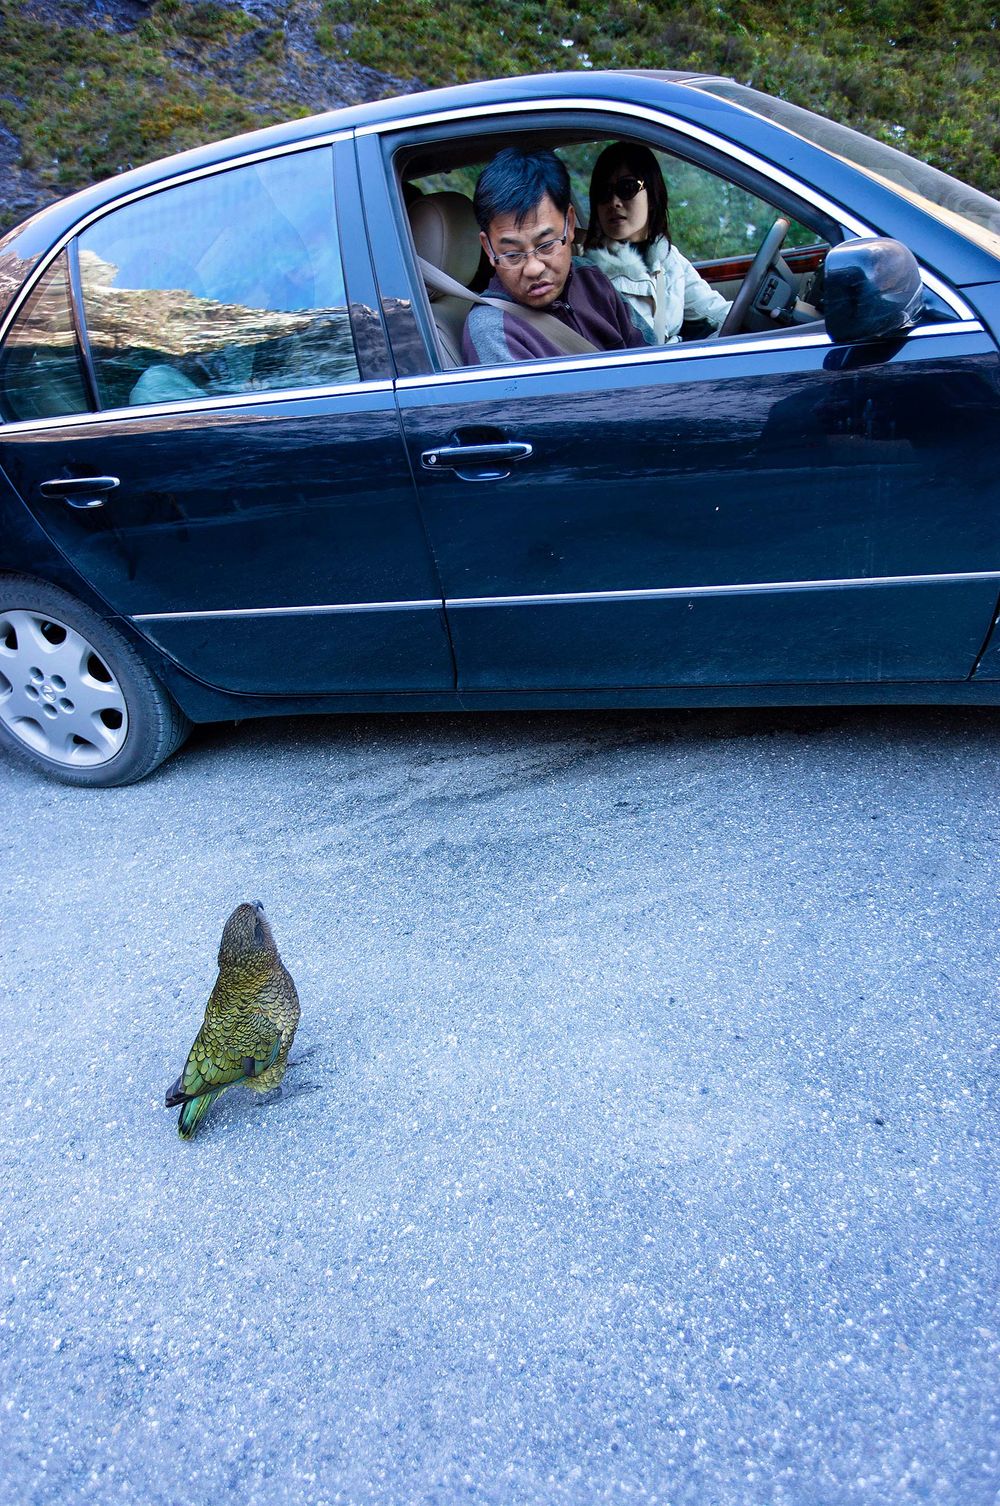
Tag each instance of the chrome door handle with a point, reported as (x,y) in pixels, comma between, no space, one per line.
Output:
(80,491)
(463,457)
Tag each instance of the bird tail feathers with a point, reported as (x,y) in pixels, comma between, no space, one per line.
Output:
(192,1112)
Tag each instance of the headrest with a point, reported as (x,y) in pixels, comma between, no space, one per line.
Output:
(445,233)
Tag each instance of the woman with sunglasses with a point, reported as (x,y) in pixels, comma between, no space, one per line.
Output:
(628,237)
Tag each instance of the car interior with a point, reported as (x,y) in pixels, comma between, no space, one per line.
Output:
(715,222)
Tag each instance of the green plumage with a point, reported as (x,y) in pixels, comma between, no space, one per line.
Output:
(250,1021)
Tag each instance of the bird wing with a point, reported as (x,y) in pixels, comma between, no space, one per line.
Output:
(251,1046)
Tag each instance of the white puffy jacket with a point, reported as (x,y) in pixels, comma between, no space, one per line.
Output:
(661,285)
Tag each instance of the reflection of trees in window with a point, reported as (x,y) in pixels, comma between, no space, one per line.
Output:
(13,271)
(40,374)
(227,283)
(221,348)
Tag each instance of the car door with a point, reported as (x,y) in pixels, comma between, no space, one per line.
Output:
(242,493)
(760,510)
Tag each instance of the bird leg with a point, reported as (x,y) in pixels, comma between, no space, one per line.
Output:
(283,1092)
(272,1095)
(303,1056)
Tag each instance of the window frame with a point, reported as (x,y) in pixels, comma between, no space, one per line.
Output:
(497,124)
(69,242)
(84,370)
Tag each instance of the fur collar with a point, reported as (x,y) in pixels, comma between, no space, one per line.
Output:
(622,259)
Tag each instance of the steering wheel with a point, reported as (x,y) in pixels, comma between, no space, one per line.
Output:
(767,255)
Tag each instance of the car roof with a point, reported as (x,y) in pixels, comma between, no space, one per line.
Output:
(36,234)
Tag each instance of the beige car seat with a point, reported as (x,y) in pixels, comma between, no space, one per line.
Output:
(445,233)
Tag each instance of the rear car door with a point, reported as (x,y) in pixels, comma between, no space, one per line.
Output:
(759,510)
(241,492)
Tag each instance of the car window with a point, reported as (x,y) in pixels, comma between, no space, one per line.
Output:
(458,180)
(226,284)
(710,217)
(40,371)
(713,218)
(715,223)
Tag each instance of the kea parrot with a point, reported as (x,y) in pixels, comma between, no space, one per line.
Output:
(250,1021)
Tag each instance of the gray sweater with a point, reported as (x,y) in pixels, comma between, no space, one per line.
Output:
(588,304)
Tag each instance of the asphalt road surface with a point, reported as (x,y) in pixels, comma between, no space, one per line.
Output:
(642,1148)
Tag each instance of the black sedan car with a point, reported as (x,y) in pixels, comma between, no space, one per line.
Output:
(244,472)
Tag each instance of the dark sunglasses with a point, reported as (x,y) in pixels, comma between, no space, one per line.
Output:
(622,188)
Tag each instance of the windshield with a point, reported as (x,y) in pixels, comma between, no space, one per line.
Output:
(965,209)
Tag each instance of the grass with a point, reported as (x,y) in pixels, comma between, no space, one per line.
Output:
(89,103)
(925,78)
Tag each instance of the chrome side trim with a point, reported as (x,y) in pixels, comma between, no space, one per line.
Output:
(645,357)
(142,193)
(721,144)
(948,295)
(649,355)
(665,593)
(203,406)
(970,326)
(313,611)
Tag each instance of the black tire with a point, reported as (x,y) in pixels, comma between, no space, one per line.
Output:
(137,724)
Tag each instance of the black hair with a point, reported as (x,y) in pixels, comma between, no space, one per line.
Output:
(643,163)
(516,182)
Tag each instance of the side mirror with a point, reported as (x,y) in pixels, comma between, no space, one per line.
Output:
(871,290)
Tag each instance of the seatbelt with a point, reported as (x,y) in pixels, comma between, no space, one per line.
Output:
(568,341)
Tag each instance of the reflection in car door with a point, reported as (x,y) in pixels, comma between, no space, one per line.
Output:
(764,510)
(771,513)
(264,530)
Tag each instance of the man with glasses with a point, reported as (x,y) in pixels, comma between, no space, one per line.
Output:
(526,224)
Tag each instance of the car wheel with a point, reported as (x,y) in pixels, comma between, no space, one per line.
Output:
(75,698)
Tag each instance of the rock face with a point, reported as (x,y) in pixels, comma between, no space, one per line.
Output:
(113,15)
(21,191)
(307,79)
(308,76)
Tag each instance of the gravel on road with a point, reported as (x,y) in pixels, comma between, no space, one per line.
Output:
(642,1147)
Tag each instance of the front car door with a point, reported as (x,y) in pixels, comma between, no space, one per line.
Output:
(262,527)
(763,510)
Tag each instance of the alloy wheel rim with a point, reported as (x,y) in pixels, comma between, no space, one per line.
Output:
(58,696)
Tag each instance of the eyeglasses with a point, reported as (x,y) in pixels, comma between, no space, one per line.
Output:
(622,188)
(545,250)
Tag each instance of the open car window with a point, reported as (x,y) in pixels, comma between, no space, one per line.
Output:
(716,223)
(710,217)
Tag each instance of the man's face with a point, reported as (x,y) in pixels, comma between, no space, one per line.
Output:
(539,279)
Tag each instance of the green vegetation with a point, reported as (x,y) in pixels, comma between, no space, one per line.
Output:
(86,102)
(923,77)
